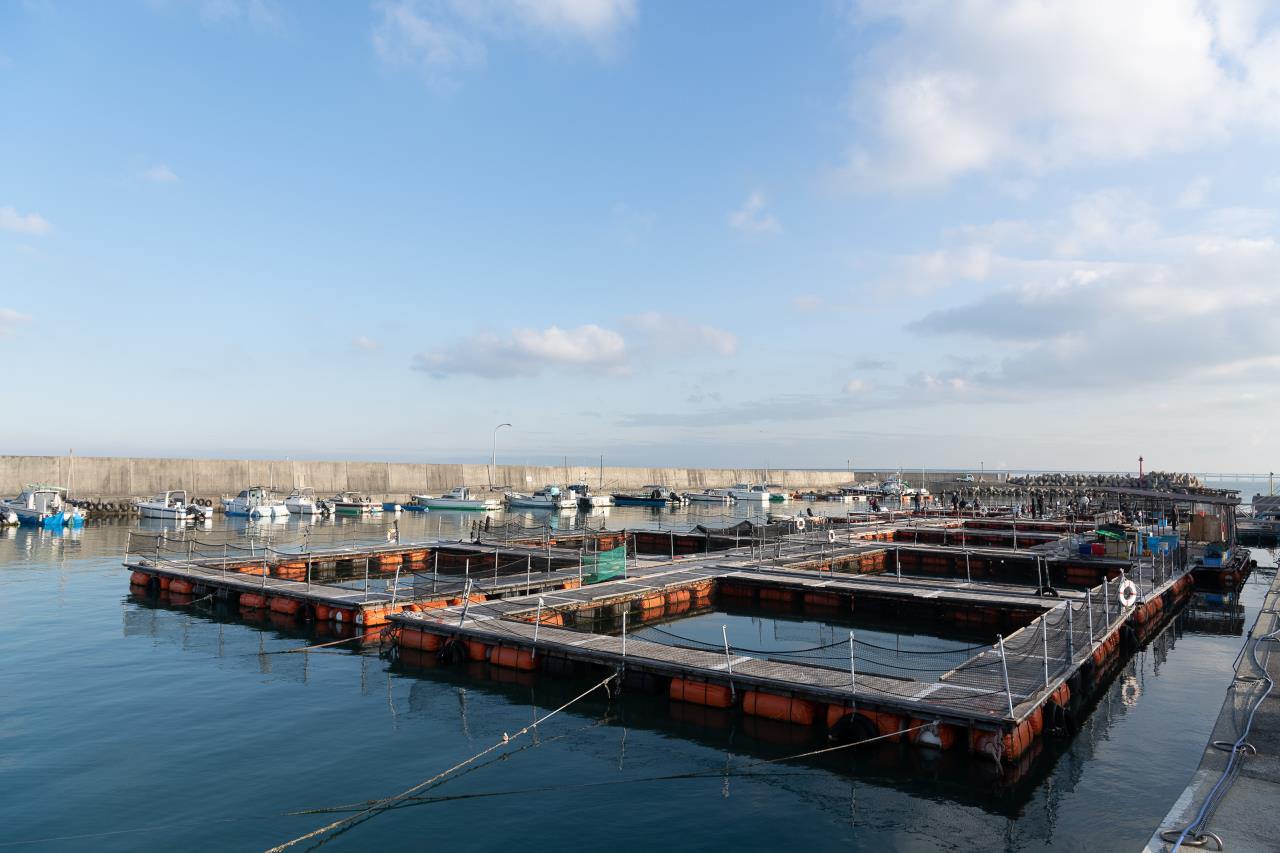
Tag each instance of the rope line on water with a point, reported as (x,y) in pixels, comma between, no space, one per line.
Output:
(383,804)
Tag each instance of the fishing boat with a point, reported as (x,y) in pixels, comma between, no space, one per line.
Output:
(43,506)
(305,502)
(651,495)
(255,502)
(459,498)
(586,500)
(747,492)
(548,497)
(354,503)
(174,504)
(777,493)
(717,496)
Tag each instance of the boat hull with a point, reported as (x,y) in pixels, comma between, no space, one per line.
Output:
(624,500)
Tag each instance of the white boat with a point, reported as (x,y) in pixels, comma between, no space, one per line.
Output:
(304,502)
(548,497)
(173,504)
(41,505)
(747,492)
(354,503)
(716,496)
(586,500)
(459,498)
(892,486)
(255,502)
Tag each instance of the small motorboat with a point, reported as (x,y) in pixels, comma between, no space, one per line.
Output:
(586,500)
(459,498)
(746,492)
(717,496)
(255,502)
(43,506)
(174,505)
(304,502)
(354,503)
(548,497)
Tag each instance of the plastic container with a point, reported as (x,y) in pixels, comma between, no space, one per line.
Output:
(1098,549)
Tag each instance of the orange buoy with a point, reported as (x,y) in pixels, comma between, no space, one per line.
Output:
(782,708)
(342,614)
(412,638)
(513,658)
(984,742)
(164,582)
(477,650)
(1061,695)
(181,587)
(370,616)
(252,600)
(288,606)
(433,604)
(822,599)
(653,602)
(1016,742)
(700,693)
(139,579)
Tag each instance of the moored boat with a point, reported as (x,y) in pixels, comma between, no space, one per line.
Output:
(255,502)
(748,492)
(173,504)
(354,503)
(304,502)
(42,505)
(548,497)
(718,496)
(586,500)
(459,498)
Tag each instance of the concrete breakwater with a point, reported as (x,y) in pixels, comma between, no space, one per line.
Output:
(122,477)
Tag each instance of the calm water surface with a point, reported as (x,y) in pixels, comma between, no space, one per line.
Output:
(130,726)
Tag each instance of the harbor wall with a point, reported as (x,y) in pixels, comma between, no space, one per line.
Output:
(117,477)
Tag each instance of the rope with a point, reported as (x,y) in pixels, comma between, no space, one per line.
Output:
(380,805)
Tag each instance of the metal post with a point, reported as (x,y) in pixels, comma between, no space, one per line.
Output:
(728,659)
(1106,602)
(1044,635)
(466,602)
(1071,635)
(1004,666)
(897,559)
(366,578)
(967,577)
(395,584)
(624,633)
(673,546)
(853,675)
(308,573)
(1088,598)
(528,572)
(466,568)
(536,623)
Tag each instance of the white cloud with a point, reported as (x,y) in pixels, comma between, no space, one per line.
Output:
(1193,196)
(527,352)
(160,173)
(31,223)
(10,320)
(439,37)
(752,218)
(1031,85)
(670,333)
(366,344)
(855,386)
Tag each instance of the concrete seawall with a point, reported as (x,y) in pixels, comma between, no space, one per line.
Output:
(117,477)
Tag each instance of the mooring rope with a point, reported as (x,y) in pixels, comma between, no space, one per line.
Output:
(383,804)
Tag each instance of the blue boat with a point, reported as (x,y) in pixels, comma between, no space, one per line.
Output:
(42,506)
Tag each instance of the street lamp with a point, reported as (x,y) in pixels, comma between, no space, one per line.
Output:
(493,460)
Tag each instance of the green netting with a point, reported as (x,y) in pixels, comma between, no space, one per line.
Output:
(604,565)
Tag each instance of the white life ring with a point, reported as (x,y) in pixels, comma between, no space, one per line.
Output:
(800,524)
(1128,593)
(831,537)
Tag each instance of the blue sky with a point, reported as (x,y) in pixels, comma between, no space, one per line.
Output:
(1024,234)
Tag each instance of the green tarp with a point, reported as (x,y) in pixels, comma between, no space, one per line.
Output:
(604,565)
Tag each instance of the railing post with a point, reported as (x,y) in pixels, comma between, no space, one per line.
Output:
(967,577)
(1071,636)
(528,572)
(1088,598)
(466,602)
(308,573)
(853,673)
(728,659)
(1004,666)
(624,634)
(366,578)
(1106,603)
(537,621)
(1044,636)
(395,584)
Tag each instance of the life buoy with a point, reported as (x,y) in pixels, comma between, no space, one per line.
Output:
(800,524)
(831,537)
(1128,593)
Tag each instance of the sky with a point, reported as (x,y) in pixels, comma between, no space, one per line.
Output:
(946,234)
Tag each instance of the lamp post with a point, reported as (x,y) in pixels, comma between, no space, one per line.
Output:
(493,459)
